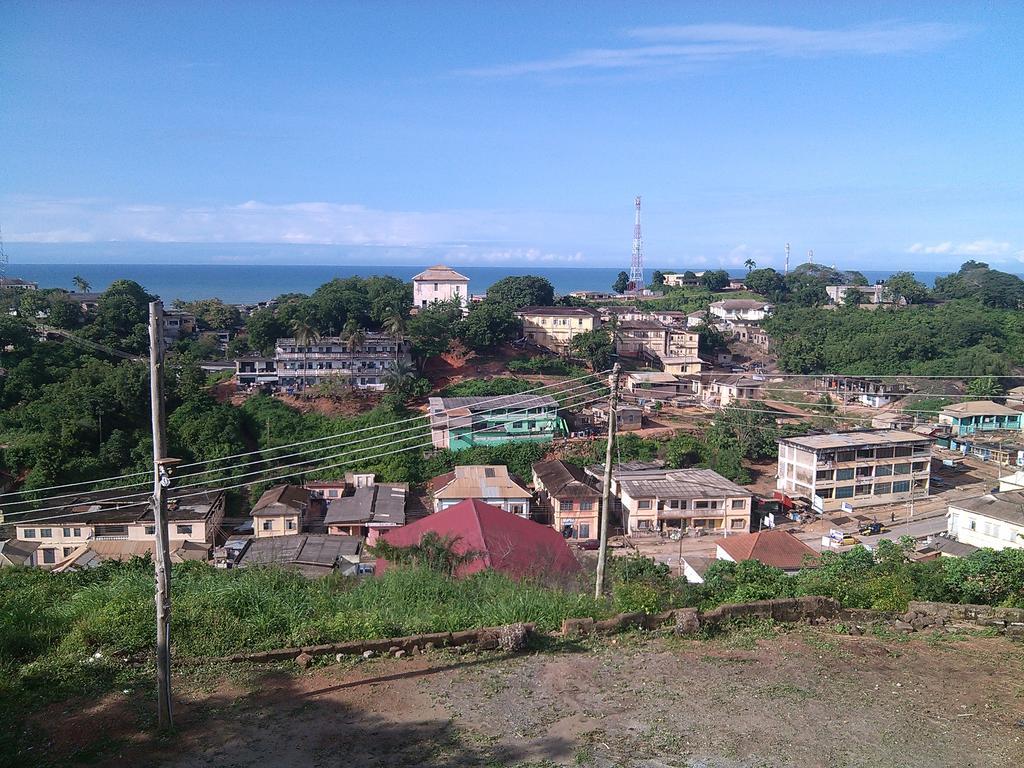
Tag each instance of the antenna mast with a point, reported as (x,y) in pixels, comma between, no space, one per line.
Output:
(636,268)
(3,256)
(787,259)
(810,257)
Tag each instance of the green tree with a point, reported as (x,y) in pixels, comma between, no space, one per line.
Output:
(852,298)
(596,347)
(432,329)
(715,279)
(768,283)
(305,335)
(985,388)
(522,291)
(264,328)
(212,314)
(750,264)
(903,285)
(657,279)
(353,334)
(488,325)
(81,284)
(621,282)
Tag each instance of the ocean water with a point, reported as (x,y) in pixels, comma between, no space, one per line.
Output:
(249,283)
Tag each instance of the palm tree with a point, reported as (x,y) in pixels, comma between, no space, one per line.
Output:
(305,335)
(750,264)
(395,325)
(400,376)
(353,335)
(81,284)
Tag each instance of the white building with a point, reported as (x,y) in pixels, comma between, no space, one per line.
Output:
(995,520)
(440,283)
(740,309)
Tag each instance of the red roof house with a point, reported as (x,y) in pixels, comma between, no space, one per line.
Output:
(778,549)
(507,543)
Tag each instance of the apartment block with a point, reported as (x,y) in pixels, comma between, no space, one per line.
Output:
(554,328)
(462,422)
(861,468)
(363,364)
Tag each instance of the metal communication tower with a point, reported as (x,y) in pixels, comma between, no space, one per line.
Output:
(3,256)
(787,259)
(636,267)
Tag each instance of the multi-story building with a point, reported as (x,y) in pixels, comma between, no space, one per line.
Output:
(995,520)
(573,497)
(362,365)
(177,325)
(554,328)
(282,510)
(980,416)
(193,517)
(658,499)
(722,391)
(861,468)
(440,283)
(490,484)
(740,309)
(18,283)
(681,279)
(662,386)
(462,422)
(256,370)
(654,339)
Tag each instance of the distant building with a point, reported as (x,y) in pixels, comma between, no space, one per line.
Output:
(874,393)
(194,516)
(256,370)
(440,283)
(503,542)
(869,294)
(94,553)
(653,499)
(18,283)
(283,510)
(995,520)
(979,416)
(654,340)
(554,328)
(628,418)
(369,511)
(312,555)
(491,484)
(17,553)
(862,468)
(660,386)
(680,280)
(360,366)
(722,391)
(779,549)
(573,497)
(177,325)
(88,301)
(740,309)
(462,422)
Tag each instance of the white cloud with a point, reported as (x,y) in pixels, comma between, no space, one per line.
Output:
(666,48)
(987,248)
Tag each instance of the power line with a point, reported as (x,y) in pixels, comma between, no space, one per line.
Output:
(274,448)
(361,460)
(139,497)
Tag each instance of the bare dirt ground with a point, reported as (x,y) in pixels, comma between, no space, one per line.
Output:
(806,697)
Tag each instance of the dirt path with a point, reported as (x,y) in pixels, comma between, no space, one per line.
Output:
(808,697)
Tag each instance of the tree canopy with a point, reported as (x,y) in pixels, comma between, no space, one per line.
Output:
(518,291)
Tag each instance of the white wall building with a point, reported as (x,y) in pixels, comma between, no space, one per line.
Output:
(740,309)
(439,283)
(995,520)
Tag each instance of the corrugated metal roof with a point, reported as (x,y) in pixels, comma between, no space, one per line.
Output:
(857,439)
(678,484)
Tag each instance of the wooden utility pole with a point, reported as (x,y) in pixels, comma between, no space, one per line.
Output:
(160,482)
(606,492)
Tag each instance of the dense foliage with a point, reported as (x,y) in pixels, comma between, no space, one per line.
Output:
(517,291)
(961,337)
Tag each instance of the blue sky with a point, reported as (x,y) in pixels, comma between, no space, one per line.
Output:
(876,134)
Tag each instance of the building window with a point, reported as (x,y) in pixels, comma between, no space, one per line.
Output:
(565,506)
(643,525)
(920,466)
(67,533)
(864,471)
(30,533)
(973,524)
(904,450)
(184,530)
(268,525)
(881,489)
(864,489)
(901,486)
(883,470)
(902,469)
(644,504)
(844,491)
(844,474)
(739,503)
(884,453)
(865,453)
(45,533)
(290,524)
(824,474)
(825,493)
(150,530)
(846,455)
(49,556)
(738,524)
(586,506)
(68,551)
(584,531)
